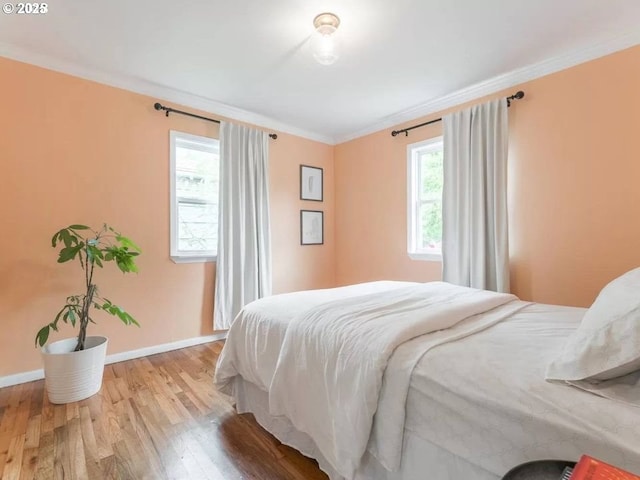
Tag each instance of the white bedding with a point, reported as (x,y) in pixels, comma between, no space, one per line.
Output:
(418,455)
(482,398)
(336,354)
(259,330)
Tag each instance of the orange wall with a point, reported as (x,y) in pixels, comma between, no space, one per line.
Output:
(74,151)
(574,188)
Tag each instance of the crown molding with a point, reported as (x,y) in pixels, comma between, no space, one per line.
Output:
(159,92)
(487,87)
(501,82)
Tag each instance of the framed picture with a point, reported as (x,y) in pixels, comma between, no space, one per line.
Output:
(311,227)
(310,183)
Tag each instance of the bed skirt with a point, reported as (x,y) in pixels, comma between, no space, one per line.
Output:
(421,459)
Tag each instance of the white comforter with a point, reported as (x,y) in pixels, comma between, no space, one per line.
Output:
(328,376)
(256,335)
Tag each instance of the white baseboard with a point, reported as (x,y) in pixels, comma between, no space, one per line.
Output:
(23,377)
(32,375)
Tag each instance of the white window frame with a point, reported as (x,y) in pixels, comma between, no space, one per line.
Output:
(413,200)
(181,256)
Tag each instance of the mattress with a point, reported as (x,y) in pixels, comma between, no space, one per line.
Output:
(480,401)
(484,398)
(421,458)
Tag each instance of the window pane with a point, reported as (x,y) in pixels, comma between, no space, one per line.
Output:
(196,174)
(197,164)
(430,218)
(432,175)
(197,227)
(426,180)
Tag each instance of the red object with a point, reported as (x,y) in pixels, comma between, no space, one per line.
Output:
(588,468)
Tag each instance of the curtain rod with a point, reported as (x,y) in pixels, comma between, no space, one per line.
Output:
(169,110)
(516,96)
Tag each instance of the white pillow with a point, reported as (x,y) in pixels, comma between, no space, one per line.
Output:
(607,343)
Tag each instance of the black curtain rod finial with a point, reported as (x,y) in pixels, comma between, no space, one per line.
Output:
(159,107)
(516,96)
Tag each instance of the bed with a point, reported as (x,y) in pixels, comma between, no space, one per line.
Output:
(475,399)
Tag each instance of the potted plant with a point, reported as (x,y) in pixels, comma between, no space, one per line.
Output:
(73,367)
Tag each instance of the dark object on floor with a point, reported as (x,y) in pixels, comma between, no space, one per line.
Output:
(539,470)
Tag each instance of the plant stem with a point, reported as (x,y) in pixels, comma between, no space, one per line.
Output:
(84,318)
(86,266)
(91,274)
(88,298)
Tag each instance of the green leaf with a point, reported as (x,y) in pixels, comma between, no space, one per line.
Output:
(66,238)
(69,253)
(66,254)
(96,252)
(128,243)
(131,320)
(42,336)
(125,317)
(121,315)
(76,226)
(72,317)
(54,324)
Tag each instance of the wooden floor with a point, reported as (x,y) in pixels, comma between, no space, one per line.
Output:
(157,417)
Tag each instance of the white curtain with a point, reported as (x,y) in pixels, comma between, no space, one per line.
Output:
(243,272)
(475,245)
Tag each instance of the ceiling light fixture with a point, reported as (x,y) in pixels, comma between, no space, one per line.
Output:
(324,43)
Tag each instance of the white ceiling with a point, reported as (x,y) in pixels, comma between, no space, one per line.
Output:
(398,57)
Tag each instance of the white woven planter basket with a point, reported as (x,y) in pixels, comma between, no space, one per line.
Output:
(71,376)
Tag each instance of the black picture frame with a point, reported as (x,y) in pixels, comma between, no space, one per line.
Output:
(310,178)
(311,227)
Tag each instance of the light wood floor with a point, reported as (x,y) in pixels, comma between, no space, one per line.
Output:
(157,417)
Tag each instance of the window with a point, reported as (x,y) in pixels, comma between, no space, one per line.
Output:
(195,180)
(424,199)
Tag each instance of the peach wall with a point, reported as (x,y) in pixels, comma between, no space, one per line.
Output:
(74,151)
(298,267)
(573,187)
(371,219)
(77,151)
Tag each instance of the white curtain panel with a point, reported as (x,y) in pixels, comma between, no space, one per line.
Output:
(475,244)
(243,272)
